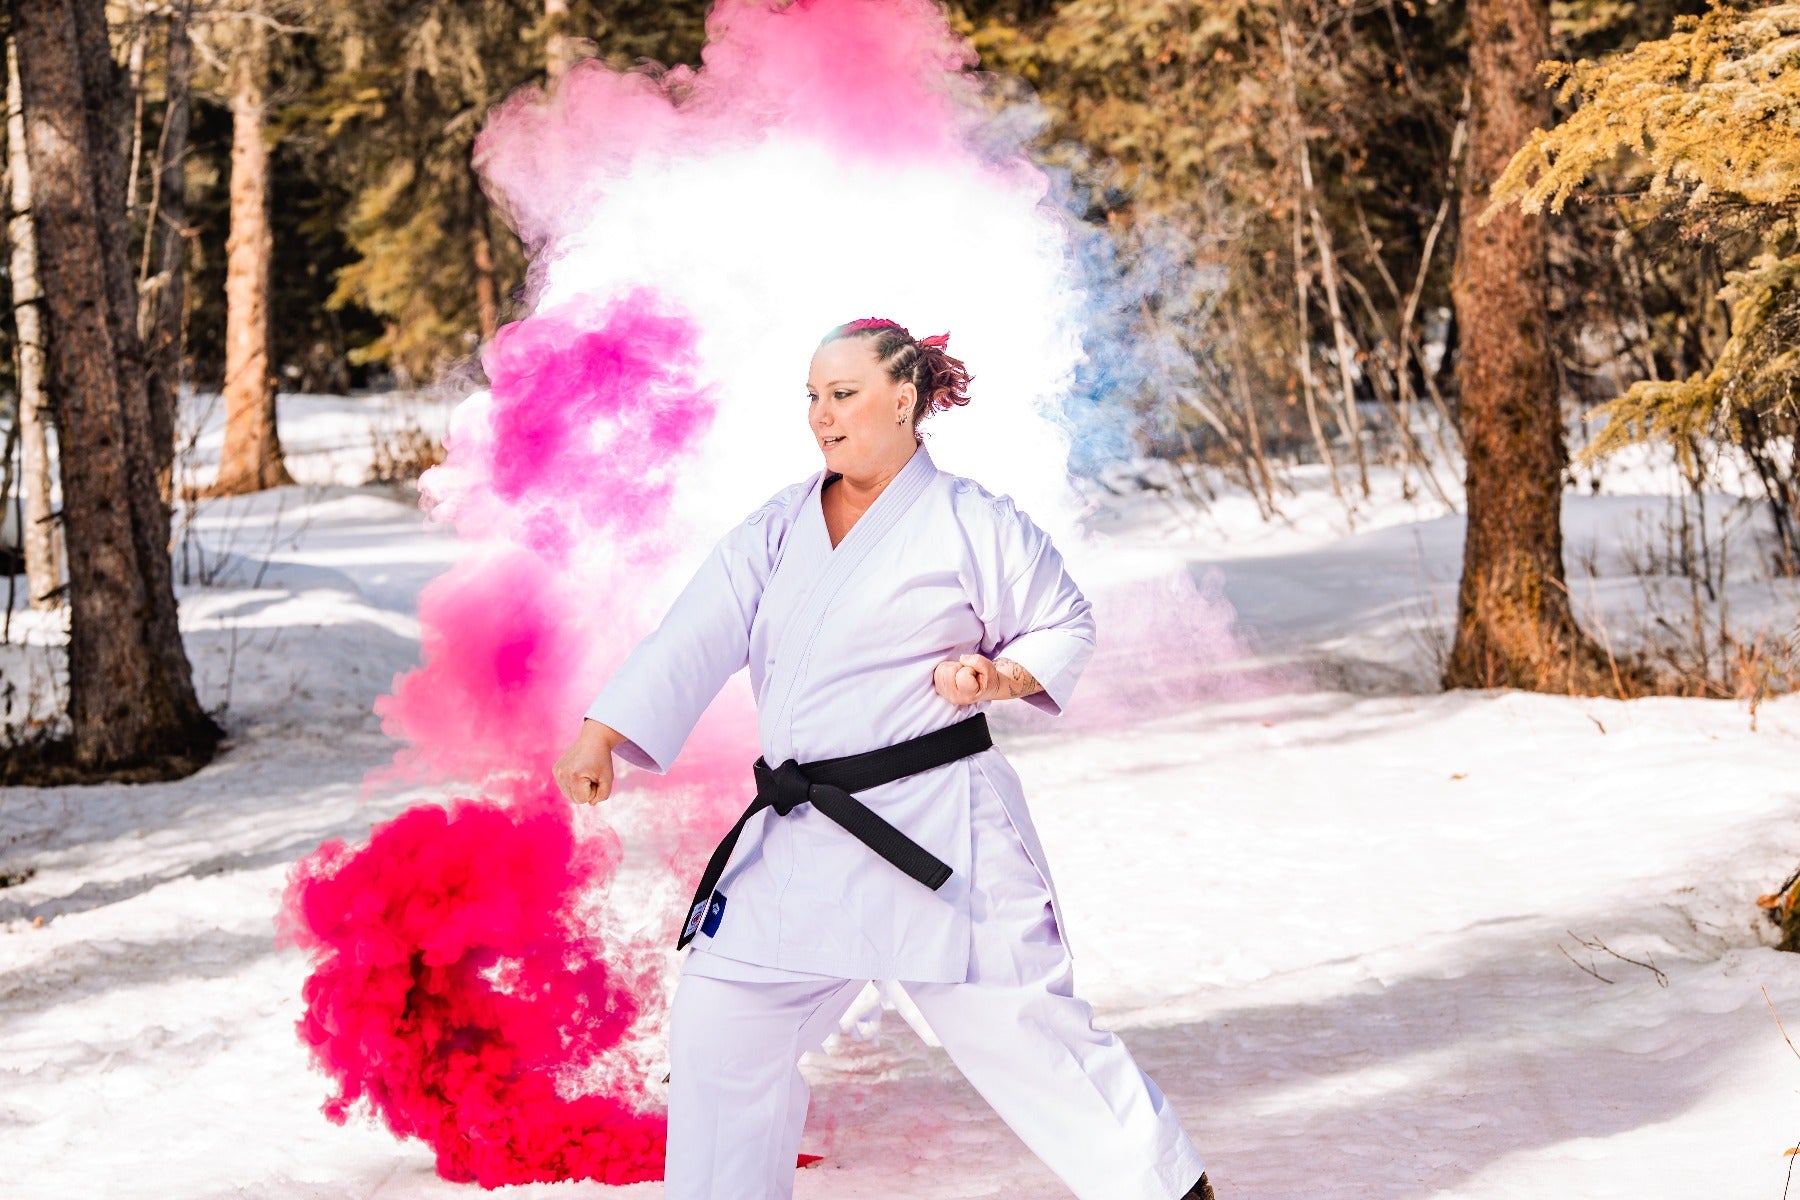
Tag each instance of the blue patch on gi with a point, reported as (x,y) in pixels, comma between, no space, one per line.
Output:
(715,912)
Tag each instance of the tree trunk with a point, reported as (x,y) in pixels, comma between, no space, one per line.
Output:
(134,66)
(1340,333)
(251,459)
(131,696)
(1515,626)
(481,251)
(559,47)
(1303,358)
(146,425)
(161,282)
(43,557)
(1302,276)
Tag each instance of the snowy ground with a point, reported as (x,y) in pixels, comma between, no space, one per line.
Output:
(1339,924)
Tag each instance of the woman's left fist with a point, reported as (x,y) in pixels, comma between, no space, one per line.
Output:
(963,681)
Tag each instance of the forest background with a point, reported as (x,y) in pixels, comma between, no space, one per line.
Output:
(1352,234)
(1385,294)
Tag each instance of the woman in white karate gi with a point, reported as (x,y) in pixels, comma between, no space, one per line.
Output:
(875,602)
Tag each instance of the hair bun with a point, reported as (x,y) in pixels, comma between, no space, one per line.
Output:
(942,381)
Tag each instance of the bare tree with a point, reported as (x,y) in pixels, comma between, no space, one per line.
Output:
(481,251)
(131,696)
(161,286)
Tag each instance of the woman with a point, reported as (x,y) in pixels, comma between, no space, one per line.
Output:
(880,605)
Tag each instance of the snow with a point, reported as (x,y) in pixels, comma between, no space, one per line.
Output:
(1341,924)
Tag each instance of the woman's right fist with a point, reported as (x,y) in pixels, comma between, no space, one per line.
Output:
(585,770)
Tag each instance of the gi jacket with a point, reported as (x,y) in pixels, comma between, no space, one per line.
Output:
(841,645)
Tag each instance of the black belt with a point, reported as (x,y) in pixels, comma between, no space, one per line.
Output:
(827,785)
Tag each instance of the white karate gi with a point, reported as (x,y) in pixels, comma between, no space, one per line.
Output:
(841,644)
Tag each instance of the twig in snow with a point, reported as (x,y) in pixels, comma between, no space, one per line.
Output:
(1593,621)
(1778,1024)
(1428,629)
(230,672)
(1590,966)
(1662,979)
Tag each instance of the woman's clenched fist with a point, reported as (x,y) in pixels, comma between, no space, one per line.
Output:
(585,770)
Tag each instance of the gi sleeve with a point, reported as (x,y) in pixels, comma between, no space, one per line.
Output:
(1035,616)
(658,693)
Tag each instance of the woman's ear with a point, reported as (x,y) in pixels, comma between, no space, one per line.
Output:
(909,400)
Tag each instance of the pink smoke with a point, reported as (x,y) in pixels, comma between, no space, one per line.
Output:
(1167,644)
(592,411)
(593,406)
(458,987)
(471,965)
(452,991)
(867,79)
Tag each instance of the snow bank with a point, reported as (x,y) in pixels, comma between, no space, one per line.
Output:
(1341,922)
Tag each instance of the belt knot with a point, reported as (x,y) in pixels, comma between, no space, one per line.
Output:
(787,788)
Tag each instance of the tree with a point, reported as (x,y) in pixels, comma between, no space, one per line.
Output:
(1280,174)
(251,459)
(404,89)
(162,275)
(1515,626)
(132,706)
(560,50)
(1704,115)
(43,558)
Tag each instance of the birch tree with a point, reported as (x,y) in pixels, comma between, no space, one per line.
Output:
(43,556)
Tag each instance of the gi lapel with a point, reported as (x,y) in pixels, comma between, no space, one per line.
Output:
(839,565)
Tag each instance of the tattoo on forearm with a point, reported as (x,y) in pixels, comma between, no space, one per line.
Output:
(1012,681)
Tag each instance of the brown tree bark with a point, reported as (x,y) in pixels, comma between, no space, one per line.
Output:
(43,554)
(1515,626)
(560,50)
(481,251)
(251,459)
(131,698)
(161,284)
(148,425)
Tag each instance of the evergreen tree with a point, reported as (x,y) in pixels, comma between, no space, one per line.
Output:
(1704,119)
(402,93)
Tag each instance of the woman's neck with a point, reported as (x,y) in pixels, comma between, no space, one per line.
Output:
(860,491)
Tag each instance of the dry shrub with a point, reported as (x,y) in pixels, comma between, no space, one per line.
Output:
(402,453)
(1684,635)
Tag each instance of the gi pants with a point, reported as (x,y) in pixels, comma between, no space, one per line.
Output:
(1014,1027)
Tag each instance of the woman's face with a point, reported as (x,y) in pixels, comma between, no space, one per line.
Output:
(861,419)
